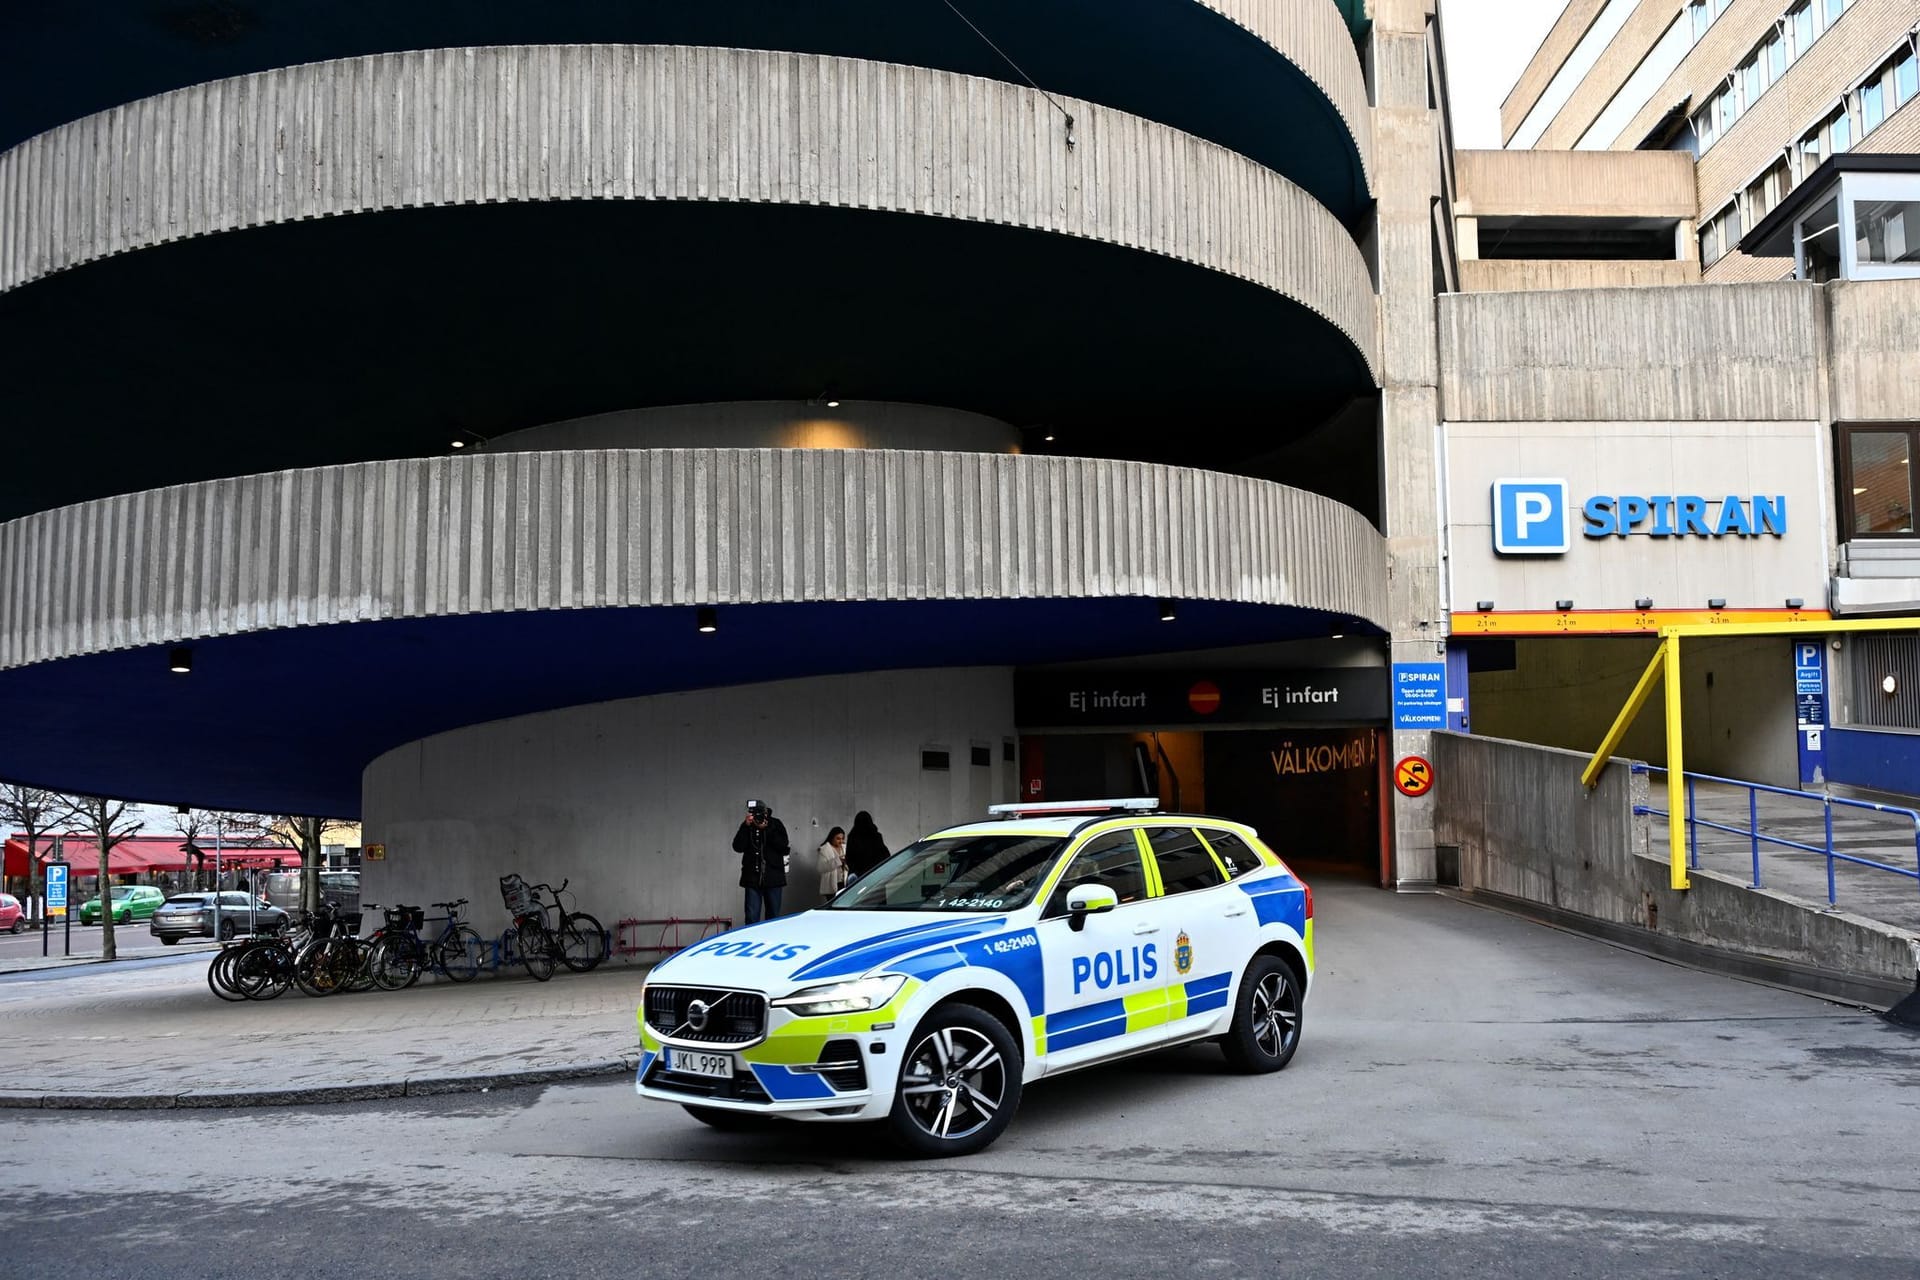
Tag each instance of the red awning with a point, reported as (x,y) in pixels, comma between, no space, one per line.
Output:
(142,855)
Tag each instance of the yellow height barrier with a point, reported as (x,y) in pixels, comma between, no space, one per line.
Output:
(1664,669)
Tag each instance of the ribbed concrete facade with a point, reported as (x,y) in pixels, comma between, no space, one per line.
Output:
(1315,38)
(569,530)
(543,123)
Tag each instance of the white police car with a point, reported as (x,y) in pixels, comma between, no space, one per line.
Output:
(983,957)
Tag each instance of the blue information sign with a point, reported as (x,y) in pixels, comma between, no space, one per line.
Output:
(1419,695)
(56,888)
(1810,708)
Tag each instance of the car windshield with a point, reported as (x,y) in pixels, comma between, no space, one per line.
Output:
(955,873)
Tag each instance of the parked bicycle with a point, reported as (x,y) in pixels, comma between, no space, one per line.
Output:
(400,955)
(336,959)
(259,968)
(546,933)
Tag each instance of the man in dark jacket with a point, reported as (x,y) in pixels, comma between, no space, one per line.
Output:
(761,843)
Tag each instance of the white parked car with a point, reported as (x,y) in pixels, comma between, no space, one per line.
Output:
(983,957)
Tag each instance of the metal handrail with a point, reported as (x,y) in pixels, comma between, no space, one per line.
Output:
(1756,838)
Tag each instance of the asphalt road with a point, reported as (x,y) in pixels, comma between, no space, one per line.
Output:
(1476,1096)
(129,939)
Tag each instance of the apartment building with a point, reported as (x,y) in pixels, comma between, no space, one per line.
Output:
(1765,94)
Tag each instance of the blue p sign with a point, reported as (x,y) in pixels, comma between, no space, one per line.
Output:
(1530,517)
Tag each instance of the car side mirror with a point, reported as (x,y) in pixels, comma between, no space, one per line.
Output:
(1088,899)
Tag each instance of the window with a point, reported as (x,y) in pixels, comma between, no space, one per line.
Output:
(1834,8)
(982,757)
(1886,232)
(1113,860)
(1775,49)
(955,873)
(1799,25)
(1185,864)
(1753,81)
(1873,106)
(1721,236)
(1906,77)
(1876,468)
(1767,191)
(1232,850)
(931,759)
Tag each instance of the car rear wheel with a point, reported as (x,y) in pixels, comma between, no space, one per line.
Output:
(19,925)
(959,1084)
(1266,1017)
(165,941)
(227,929)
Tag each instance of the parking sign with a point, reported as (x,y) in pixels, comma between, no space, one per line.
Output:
(56,889)
(1530,518)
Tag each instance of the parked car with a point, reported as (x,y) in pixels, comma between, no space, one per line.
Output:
(130,902)
(193,915)
(13,917)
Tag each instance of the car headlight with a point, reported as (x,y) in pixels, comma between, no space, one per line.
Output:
(843,997)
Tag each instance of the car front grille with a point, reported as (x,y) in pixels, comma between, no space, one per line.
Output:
(731,1017)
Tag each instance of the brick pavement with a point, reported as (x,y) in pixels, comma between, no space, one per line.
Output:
(157,1033)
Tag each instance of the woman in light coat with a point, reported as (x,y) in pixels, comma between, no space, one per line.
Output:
(833,863)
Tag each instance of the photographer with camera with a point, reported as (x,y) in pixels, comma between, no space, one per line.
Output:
(762,845)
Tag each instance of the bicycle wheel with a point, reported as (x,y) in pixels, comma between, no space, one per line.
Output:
(218,978)
(314,970)
(358,959)
(534,945)
(583,943)
(394,963)
(458,955)
(265,972)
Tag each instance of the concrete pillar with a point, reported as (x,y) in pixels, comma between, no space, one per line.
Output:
(1407,183)
(1466,236)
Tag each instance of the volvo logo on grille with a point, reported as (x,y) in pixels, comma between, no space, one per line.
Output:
(697,1015)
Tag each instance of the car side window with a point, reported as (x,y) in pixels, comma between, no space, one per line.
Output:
(1112,859)
(1185,864)
(1235,852)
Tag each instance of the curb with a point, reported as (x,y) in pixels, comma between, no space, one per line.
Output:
(314,1095)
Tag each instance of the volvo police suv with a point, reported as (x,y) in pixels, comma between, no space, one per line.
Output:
(931,990)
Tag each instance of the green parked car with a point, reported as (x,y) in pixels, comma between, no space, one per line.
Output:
(130,902)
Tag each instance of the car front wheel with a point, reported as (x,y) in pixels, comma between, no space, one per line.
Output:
(166,941)
(959,1083)
(1266,1017)
(227,929)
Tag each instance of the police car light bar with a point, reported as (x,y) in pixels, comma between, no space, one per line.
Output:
(1134,804)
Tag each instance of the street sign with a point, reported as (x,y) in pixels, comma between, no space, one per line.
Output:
(1413,776)
(1810,708)
(57,889)
(1419,695)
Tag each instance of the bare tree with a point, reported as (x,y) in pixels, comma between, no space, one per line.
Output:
(191,824)
(307,835)
(35,813)
(109,823)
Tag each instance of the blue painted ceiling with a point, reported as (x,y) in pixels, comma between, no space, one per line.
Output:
(284,721)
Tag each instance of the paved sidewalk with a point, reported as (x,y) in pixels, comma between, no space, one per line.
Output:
(154,1035)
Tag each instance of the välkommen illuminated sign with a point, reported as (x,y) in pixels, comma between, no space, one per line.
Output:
(1534,517)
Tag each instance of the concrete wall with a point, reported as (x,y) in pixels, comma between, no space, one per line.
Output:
(1566,690)
(1875,336)
(600,122)
(637,801)
(584,529)
(1585,184)
(1505,275)
(1527,829)
(1712,459)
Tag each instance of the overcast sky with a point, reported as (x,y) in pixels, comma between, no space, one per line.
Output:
(1488,44)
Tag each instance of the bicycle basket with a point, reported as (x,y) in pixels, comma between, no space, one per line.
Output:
(405,918)
(518,895)
(346,924)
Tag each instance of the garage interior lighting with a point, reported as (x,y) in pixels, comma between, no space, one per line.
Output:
(705,620)
(1718,602)
(1644,602)
(1795,602)
(1563,605)
(1890,686)
(180,661)
(1168,610)
(1485,606)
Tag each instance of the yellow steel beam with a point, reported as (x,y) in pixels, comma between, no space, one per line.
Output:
(1676,770)
(1624,721)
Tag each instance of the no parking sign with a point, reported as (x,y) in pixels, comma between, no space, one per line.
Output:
(1413,776)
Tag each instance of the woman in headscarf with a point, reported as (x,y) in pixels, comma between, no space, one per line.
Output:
(865,847)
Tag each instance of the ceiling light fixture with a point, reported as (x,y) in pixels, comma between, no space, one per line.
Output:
(1485,606)
(1168,611)
(1718,602)
(1644,602)
(1795,602)
(705,620)
(1890,685)
(1563,605)
(180,661)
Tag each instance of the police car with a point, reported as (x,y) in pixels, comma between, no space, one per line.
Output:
(984,957)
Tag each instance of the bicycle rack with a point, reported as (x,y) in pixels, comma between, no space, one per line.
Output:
(626,934)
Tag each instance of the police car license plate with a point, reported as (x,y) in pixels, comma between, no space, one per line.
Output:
(717,1065)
